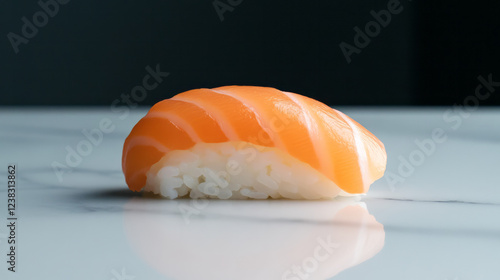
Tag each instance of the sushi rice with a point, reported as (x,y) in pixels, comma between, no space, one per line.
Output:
(236,170)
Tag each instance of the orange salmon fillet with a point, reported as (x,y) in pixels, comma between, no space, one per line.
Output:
(310,131)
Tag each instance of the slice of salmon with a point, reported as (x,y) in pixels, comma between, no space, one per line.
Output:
(326,139)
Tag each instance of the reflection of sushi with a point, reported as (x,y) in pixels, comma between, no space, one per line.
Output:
(250,142)
(232,240)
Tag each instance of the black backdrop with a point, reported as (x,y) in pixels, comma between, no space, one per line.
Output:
(90,52)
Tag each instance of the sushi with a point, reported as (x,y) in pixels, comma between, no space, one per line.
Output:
(239,142)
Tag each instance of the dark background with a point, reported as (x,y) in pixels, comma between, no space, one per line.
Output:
(92,51)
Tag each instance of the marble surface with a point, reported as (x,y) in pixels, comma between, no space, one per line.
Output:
(435,216)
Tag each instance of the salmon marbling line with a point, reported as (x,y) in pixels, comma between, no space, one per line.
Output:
(179,122)
(325,163)
(360,149)
(276,139)
(228,131)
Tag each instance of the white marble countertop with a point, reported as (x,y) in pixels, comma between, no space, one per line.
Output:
(437,217)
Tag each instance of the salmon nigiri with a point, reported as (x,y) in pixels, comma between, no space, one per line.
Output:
(250,142)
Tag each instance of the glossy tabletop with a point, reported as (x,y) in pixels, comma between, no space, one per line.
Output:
(435,215)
